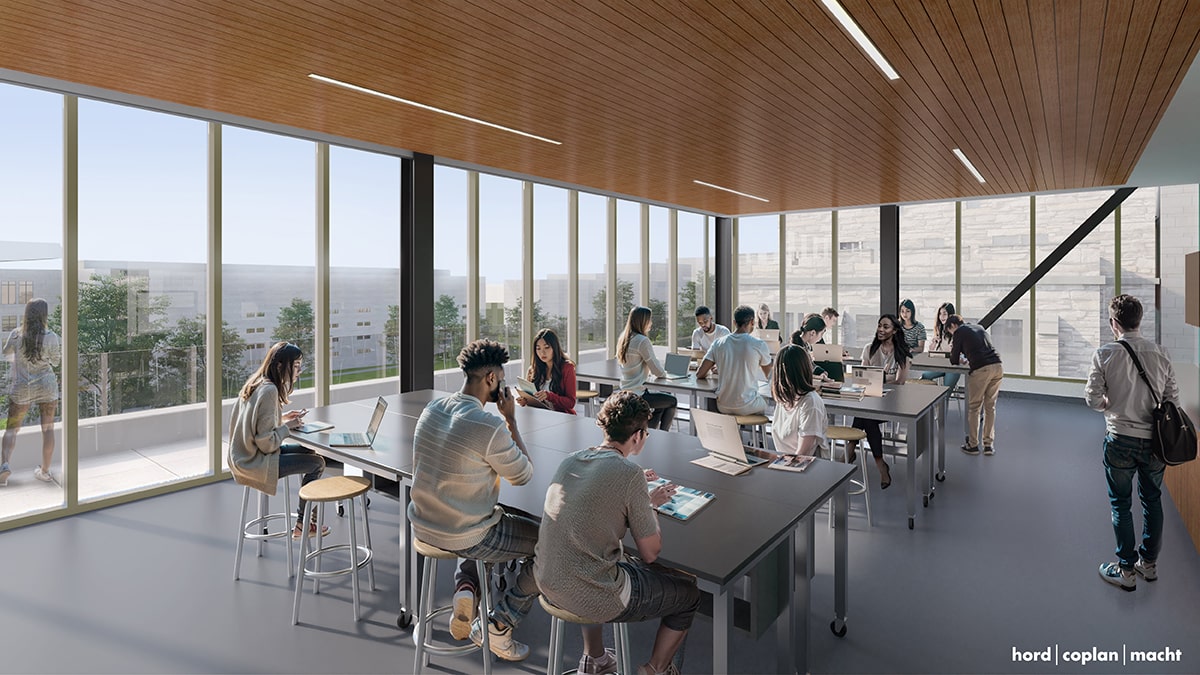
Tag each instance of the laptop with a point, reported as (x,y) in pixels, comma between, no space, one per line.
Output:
(719,434)
(827,353)
(869,376)
(676,366)
(357,440)
(769,336)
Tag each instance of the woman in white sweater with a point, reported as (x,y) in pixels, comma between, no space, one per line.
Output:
(258,455)
(636,356)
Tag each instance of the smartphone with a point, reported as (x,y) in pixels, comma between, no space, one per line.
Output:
(500,391)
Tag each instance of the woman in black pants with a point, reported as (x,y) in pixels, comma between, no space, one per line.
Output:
(636,356)
(889,351)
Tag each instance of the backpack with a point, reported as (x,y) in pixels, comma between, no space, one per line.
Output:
(1174,440)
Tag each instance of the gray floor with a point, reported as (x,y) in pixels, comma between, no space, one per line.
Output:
(1005,557)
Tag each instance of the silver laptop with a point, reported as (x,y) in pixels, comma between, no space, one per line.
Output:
(356,440)
(827,353)
(769,336)
(676,366)
(870,377)
(720,435)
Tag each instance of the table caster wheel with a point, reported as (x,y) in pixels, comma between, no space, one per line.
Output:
(838,626)
(940,476)
(405,620)
(910,523)
(925,501)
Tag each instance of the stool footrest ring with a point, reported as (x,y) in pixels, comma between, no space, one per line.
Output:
(365,552)
(260,522)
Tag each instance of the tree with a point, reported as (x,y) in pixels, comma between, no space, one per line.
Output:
(512,324)
(183,362)
(448,331)
(624,303)
(685,321)
(295,324)
(391,335)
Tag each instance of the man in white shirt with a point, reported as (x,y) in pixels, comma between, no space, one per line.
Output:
(707,331)
(739,357)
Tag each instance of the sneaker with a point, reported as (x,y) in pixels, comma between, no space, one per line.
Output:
(1148,570)
(970,449)
(598,665)
(43,476)
(463,614)
(5,472)
(1111,572)
(501,641)
(646,669)
(989,450)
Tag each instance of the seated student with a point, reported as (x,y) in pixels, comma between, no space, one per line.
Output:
(552,373)
(889,351)
(636,356)
(707,331)
(831,316)
(800,420)
(460,453)
(940,344)
(763,320)
(914,331)
(596,495)
(809,334)
(738,356)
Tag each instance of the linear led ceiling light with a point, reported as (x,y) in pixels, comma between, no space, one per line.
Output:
(967,163)
(860,37)
(718,187)
(422,106)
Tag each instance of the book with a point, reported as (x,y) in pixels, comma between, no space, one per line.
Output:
(838,390)
(526,387)
(313,426)
(797,463)
(686,502)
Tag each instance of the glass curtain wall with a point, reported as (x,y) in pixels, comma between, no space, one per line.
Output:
(593,277)
(758,267)
(1137,273)
(691,282)
(858,276)
(927,258)
(995,258)
(143,222)
(364,272)
(500,246)
(808,265)
(661,286)
(31,220)
(629,265)
(550,273)
(449,266)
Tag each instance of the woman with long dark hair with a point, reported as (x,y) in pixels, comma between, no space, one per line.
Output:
(552,373)
(800,420)
(258,454)
(940,344)
(914,331)
(34,350)
(636,356)
(888,351)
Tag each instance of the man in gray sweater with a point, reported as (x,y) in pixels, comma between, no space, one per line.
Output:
(460,453)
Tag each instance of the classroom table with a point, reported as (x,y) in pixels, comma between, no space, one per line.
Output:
(755,516)
(609,372)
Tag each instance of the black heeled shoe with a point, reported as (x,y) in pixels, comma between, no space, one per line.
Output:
(885,476)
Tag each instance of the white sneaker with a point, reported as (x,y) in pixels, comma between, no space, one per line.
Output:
(500,641)
(5,472)
(463,614)
(1148,570)
(1123,579)
(43,476)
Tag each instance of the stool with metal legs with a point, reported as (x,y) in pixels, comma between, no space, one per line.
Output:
(427,612)
(257,530)
(559,617)
(320,492)
(846,435)
(758,428)
(587,396)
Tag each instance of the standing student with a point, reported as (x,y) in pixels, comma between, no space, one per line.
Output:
(552,373)
(34,350)
(258,454)
(983,380)
(596,496)
(940,344)
(914,331)
(739,357)
(831,317)
(1115,388)
(636,356)
(889,351)
(707,330)
(800,419)
(763,320)
(460,453)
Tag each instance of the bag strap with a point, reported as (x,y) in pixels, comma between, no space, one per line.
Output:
(1141,371)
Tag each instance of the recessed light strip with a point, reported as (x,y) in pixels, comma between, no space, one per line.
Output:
(860,37)
(422,106)
(967,163)
(741,194)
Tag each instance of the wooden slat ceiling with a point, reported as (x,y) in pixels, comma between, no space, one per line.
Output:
(770,97)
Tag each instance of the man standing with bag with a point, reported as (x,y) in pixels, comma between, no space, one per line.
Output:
(1115,388)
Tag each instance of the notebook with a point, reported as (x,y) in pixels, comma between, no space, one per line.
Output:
(769,336)
(686,502)
(676,366)
(356,440)
(719,434)
(314,425)
(797,463)
(870,377)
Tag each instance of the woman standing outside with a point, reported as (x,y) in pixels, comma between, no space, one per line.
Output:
(800,420)
(636,356)
(258,455)
(552,373)
(914,331)
(940,344)
(889,351)
(35,350)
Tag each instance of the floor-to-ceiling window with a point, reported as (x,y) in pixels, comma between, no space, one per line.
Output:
(927,258)
(858,276)
(143,267)
(450,278)
(808,268)
(691,282)
(660,282)
(758,267)
(995,258)
(1138,238)
(629,264)
(549,247)
(593,276)
(500,246)
(364,269)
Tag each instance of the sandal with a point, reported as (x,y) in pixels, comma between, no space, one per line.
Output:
(312,528)
(885,476)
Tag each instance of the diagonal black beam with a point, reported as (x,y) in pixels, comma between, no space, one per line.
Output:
(1056,256)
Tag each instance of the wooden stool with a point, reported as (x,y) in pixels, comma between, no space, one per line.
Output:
(558,616)
(320,492)
(588,395)
(758,427)
(426,612)
(846,434)
(257,529)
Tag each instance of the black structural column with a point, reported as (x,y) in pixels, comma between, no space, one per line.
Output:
(889,258)
(416,273)
(723,309)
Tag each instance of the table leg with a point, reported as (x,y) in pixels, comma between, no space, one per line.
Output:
(791,638)
(410,566)
(841,542)
(910,477)
(928,425)
(810,538)
(691,415)
(722,629)
(941,438)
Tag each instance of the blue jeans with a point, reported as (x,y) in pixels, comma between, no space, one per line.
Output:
(1124,456)
(297,459)
(513,538)
(950,379)
(657,591)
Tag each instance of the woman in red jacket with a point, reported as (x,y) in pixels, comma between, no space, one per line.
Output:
(552,373)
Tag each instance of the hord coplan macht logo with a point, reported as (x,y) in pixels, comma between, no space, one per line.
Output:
(1056,655)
